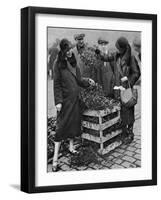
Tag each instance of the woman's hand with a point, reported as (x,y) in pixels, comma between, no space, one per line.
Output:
(91,82)
(124,79)
(122,88)
(58,107)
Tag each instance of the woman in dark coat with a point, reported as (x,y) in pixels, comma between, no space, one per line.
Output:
(126,71)
(67,83)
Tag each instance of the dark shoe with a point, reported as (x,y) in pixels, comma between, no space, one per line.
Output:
(130,134)
(73,152)
(131,137)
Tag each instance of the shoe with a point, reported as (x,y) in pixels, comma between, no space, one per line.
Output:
(131,137)
(73,152)
(55,166)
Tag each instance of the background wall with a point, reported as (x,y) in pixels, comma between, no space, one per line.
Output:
(91,36)
(10,98)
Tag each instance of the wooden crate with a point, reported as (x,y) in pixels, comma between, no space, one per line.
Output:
(96,127)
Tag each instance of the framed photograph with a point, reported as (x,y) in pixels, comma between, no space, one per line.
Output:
(88,99)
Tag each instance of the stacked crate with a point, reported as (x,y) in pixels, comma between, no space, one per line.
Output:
(97,126)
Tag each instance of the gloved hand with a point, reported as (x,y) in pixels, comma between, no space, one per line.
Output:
(59,107)
(124,79)
(91,82)
(122,88)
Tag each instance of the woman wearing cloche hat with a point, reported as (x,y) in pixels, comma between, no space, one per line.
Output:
(67,83)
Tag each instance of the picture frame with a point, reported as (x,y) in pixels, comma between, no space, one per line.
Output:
(29,104)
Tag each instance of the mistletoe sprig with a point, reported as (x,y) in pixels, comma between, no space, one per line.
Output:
(91,62)
(94,98)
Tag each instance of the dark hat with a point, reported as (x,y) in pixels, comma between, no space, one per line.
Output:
(102,40)
(79,36)
(65,45)
(121,43)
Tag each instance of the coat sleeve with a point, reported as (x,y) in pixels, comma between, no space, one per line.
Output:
(82,82)
(134,73)
(57,85)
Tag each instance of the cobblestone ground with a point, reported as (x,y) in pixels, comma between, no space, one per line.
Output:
(125,156)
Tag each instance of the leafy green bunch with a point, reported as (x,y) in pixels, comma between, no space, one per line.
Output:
(94,99)
(91,62)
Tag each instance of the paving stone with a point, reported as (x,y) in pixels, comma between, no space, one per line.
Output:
(123,146)
(91,164)
(132,144)
(138,151)
(105,167)
(129,153)
(131,148)
(89,168)
(107,163)
(138,141)
(73,169)
(138,163)
(117,161)
(116,166)
(128,165)
(109,157)
(65,167)
(137,156)
(99,159)
(116,154)
(129,159)
(138,146)
(104,162)
(120,150)
(81,168)
(137,136)
(96,166)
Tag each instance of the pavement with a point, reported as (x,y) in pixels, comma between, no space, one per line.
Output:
(125,156)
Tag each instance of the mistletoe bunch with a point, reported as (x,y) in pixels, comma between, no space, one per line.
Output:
(91,62)
(94,99)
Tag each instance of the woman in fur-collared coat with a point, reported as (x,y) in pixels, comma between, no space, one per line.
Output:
(126,71)
(67,83)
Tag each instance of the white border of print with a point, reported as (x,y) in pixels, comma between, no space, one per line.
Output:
(94,176)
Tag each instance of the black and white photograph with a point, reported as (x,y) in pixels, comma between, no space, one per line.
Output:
(89,90)
(93,99)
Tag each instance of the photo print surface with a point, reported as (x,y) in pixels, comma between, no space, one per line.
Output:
(93,99)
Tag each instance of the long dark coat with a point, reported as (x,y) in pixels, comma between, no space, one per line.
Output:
(107,76)
(66,91)
(131,70)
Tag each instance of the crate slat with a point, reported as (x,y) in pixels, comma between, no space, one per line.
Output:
(110,147)
(101,139)
(102,113)
(110,123)
(102,126)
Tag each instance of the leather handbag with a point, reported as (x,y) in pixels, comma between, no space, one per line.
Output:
(129,96)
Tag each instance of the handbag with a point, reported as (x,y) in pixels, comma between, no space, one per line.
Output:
(129,96)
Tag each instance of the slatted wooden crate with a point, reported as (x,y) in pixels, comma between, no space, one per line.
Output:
(98,126)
